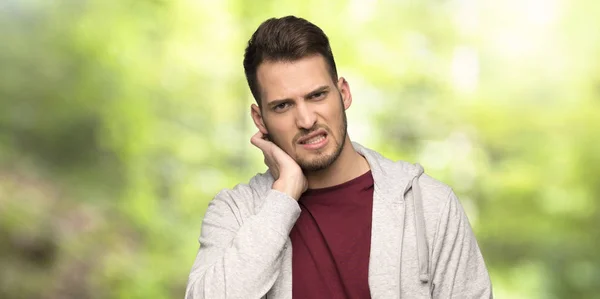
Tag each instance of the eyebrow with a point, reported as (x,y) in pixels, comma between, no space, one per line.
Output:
(318,90)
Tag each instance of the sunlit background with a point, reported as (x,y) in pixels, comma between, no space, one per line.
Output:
(121,119)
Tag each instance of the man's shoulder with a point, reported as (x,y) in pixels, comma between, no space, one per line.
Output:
(431,187)
(435,193)
(436,196)
(258,185)
(231,206)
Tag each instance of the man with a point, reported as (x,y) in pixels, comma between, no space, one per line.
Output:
(330,218)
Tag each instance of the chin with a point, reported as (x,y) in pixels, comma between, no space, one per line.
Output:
(318,161)
(313,167)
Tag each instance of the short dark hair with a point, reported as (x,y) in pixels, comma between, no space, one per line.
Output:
(285,39)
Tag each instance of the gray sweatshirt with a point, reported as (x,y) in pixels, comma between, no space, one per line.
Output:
(422,245)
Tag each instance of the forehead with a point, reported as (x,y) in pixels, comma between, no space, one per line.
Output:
(292,79)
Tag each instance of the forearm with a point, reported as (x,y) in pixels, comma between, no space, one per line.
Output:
(247,265)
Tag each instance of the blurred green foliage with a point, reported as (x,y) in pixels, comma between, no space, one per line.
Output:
(120,120)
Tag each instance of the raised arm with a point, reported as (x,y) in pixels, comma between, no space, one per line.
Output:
(240,258)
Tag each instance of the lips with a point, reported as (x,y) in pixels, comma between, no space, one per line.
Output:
(313,137)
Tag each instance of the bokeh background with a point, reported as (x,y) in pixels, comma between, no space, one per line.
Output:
(121,119)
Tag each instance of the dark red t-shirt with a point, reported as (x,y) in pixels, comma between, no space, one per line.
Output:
(331,241)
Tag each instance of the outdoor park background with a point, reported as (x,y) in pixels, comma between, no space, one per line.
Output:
(121,119)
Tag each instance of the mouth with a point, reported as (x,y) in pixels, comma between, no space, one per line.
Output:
(314,140)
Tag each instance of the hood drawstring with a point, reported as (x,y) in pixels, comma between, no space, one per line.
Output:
(422,248)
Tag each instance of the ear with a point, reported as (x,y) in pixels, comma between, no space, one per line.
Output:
(257,118)
(344,89)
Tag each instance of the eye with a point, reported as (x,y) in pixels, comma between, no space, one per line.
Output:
(317,95)
(281,107)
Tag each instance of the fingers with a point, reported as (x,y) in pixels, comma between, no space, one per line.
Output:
(259,141)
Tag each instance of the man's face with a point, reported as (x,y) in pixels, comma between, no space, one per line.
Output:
(303,110)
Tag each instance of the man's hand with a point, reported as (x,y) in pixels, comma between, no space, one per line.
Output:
(288,176)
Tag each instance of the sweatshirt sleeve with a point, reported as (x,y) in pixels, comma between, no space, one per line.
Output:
(240,258)
(459,270)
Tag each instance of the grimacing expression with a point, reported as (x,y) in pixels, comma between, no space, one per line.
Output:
(303,110)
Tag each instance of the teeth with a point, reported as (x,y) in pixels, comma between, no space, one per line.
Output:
(315,139)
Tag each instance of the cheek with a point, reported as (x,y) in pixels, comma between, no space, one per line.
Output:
(333,118)
(282,133)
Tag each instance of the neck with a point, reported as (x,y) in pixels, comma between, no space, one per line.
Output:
(349,165)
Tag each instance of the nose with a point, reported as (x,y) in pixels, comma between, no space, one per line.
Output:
(305,116)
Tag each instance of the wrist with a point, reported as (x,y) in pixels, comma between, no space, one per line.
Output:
(287,188)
